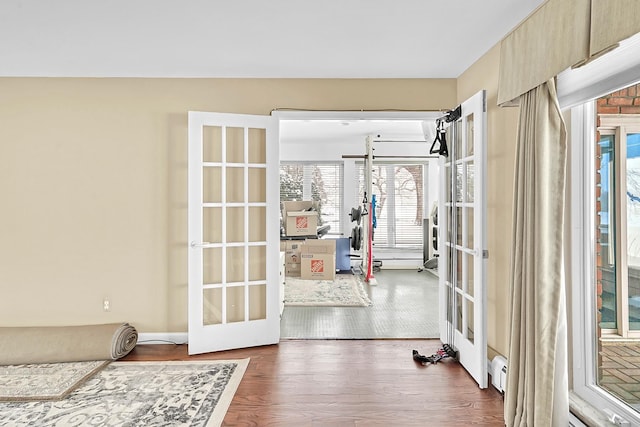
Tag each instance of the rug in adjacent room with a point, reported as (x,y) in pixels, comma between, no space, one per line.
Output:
(347,290)
(194,393)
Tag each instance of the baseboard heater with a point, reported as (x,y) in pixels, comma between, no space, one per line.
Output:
(499,373)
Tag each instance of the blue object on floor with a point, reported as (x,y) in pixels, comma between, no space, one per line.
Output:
(343,250)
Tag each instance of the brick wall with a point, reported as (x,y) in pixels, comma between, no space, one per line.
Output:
(624,101)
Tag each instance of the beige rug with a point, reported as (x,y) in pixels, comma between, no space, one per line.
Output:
(45,381)
(53,344)
(192,393)
(347,290)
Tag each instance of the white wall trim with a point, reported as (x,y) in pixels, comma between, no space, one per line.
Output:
(163,338)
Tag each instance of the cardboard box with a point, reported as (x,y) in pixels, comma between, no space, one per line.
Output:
(292,251)
(318,259)
(292,270)
(292,257)
(293,245)
(298,219)
(298,206)
(301,223)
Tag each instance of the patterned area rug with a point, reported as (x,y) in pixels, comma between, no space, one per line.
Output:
(347,290)
(193,393)
(46,381)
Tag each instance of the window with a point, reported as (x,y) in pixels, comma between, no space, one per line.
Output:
(320,182)
(400,196)
(618,218)
(603,212)
(606,267)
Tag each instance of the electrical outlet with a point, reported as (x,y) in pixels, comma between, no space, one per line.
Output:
(106,304)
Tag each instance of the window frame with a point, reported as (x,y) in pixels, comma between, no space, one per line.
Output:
(619,126)
(578,88)
(583,266)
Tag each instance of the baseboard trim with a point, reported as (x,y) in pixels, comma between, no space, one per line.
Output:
(163,338)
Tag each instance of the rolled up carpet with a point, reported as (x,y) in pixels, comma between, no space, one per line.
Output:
(53,344)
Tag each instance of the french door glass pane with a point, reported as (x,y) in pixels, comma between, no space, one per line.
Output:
(235,145)
(459,225)
(459,277)
(470,268)
(212,225)
(235,304)
(212,306)
(235,264)
(235,225)
(212,265)
(470,140)
(258,263)
(470,181)
(257,302)
(458,148)
(235,185)
(470,319)
(211,188)
(469,228)
(459,324)
(460,182)
(212,144)
(257,190)
(257,145)
(257,225)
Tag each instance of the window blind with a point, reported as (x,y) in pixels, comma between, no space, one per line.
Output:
(400,196)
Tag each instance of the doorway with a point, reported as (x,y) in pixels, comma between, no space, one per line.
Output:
(315,144)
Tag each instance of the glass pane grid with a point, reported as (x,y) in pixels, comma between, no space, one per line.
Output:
(232,214)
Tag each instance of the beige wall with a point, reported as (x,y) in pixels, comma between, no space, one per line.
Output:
(93,186)
(501,135)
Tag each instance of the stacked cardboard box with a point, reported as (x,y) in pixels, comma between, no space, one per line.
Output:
(300,218)
(318,259)
(292,257)
(310,258)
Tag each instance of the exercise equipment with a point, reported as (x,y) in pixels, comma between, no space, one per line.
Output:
(366,233)
(356,214)
(442,353)
(356,238)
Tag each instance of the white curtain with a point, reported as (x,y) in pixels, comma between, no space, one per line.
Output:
(537,391)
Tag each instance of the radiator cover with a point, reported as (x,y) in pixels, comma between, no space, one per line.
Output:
(499,373)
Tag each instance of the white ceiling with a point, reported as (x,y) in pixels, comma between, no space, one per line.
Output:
(251,38)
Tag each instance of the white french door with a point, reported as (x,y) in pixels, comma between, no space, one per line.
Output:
(233,231)
(462,229)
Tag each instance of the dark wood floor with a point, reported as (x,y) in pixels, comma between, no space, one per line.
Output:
(347,383)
